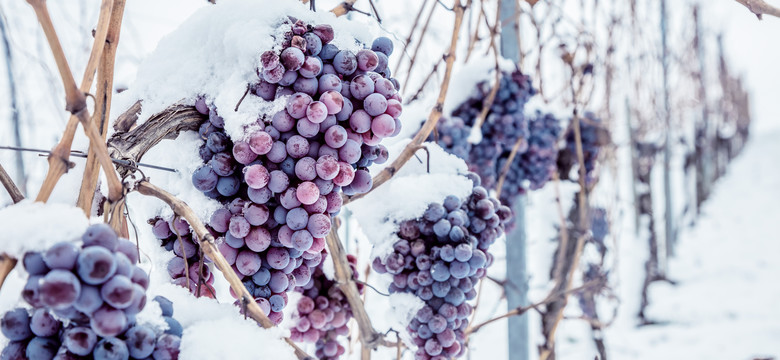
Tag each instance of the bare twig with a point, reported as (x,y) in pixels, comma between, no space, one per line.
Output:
(9,185)
(206,242)
(760,7)
(425,82)
(417,48)
(523,309)
(474,38)
(411,33)
(435,114)
(102,104)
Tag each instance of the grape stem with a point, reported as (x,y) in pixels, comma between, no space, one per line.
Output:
(760,7)
(388,172)
(209,247)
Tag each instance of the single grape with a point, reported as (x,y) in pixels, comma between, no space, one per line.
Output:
(111,349)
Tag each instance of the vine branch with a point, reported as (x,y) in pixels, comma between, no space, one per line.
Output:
(760,7)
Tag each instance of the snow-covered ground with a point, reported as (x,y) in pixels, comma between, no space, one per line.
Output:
(724,305)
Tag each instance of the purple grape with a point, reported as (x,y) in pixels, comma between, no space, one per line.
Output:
(288,78)
(61,256)
(140,341)
(345,62)
(361,86)
(297,146)
(118,292)
(375,104)
(108,321)
(297,105)
(79,340)
(278,258)
(383,126)
(305,169)
(248,262)
(307,129)
(15,325)
(329,82)
(266,90)
(306,86)
(59,289)
(367,60)
(383,45)
(311,67)
(256,176)
(220,220)
(34,264)
(204,179)
(292,58)
(100,235)
(360,121)
(167,347)
(111,349)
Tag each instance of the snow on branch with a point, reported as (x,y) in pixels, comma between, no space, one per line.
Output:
(760,7)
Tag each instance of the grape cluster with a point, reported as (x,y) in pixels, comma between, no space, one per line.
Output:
(534,167)
(188,268)
(506,126)
(281,183)
(41,336)
(440,258)
(323,314)
(97,290)
(594,136)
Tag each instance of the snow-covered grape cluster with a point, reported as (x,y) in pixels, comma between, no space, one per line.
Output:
(189,268)
(594,136)
(440,258)
(282,182)
(505,126)
(97,290)
(323,313)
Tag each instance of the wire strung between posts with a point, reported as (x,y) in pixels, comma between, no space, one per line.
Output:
(81,154)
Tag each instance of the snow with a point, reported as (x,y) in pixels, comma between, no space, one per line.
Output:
(725,303)
(216,53)
(411,189)
(34,226)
